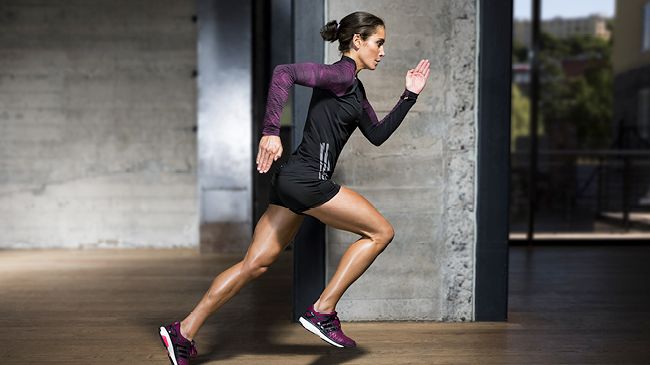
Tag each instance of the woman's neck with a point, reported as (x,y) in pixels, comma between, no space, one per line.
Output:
(356,62)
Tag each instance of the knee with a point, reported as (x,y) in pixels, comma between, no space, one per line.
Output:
(254,268)
(384,235)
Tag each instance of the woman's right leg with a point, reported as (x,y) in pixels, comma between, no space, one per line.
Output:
(350,211)
(273,233)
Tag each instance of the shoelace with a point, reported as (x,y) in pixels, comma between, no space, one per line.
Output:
(182,351)
(185,350)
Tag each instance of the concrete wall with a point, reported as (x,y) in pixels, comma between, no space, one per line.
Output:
(97,109)
(422,178)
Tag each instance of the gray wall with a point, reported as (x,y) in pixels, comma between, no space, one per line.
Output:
(422,178)
(97,109)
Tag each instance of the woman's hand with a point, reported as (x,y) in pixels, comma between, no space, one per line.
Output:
(270,150)
(416,77)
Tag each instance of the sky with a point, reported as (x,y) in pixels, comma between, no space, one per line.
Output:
(565,8)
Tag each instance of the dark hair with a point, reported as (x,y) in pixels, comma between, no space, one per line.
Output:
(358,22)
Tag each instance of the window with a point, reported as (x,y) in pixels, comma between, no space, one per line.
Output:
(646,27)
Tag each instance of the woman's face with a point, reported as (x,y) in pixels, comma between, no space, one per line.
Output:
(371,51)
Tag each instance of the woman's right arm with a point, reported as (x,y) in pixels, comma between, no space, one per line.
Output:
(335,78)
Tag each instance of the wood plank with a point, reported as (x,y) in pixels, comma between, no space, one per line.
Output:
(567,305)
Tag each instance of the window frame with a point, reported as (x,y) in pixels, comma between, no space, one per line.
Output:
(645,36)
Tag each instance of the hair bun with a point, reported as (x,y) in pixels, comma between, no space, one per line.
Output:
(329,31)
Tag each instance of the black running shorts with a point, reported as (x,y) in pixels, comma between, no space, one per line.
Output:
(294,188)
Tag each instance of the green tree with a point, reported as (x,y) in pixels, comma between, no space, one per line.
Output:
(581,104)
(519,52)
(520,117)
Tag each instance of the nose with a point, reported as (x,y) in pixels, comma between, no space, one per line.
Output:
(381,51)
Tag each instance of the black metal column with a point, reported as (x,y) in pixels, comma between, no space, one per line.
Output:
(271,29)
(261,69)
(495,44)
(309,244)
(534,104)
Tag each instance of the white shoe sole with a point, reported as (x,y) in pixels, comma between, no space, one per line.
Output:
(168,343)
(313,329)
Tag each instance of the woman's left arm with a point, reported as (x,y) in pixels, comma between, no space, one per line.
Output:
(377,132)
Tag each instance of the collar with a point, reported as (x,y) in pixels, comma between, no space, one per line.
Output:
(349,59)
(346,58)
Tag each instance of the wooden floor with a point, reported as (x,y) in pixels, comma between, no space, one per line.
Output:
(568,305)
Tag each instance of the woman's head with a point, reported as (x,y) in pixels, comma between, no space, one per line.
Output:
(361,34)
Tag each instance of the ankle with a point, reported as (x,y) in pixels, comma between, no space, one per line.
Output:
(323,308)
(185,331)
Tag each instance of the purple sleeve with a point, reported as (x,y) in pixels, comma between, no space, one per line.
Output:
(336,78)
(377,132)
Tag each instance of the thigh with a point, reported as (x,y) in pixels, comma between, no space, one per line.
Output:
(350,211)
(273,232)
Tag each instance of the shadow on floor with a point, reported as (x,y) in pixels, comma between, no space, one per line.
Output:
(250,323)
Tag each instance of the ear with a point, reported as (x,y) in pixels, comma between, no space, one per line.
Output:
(356,41)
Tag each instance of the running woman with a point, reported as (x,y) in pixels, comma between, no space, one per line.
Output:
(303,185)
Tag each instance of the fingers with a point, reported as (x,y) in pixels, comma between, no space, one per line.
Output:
(270,150)
(268,160)
(422,66)
(418,68)
(262,154)
(259,154)
(422,69)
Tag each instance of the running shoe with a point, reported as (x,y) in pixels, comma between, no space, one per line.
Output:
(326,326)
(179,349)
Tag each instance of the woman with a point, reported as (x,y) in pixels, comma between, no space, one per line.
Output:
(303,185)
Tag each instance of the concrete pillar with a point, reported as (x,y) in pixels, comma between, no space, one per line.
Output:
(422,178)
(225,125)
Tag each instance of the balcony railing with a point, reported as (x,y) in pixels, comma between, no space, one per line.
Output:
(583,192)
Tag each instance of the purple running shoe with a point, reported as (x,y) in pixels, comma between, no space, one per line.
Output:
(179,349)
(326,326)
